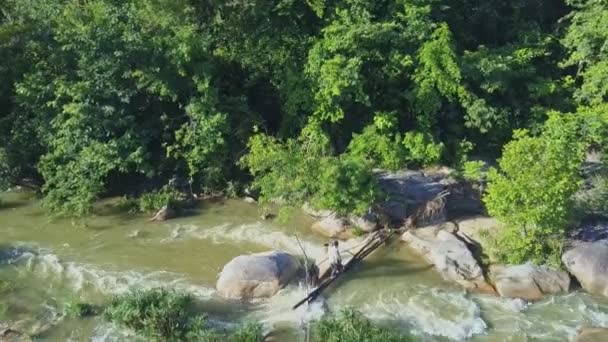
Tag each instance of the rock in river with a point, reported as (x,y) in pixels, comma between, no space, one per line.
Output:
(592,334)
(257,275)
(333,226)
(449,254)
(164,214)
(528,281)
(588,262)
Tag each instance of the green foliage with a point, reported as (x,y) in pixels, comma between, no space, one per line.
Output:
(79,310)
(158,314)
(345,186)
(533,191)
(421,149)
(473,170)
(164,315)
(154,201)
(595,199)
(250,332)
(99,94)
(300,171)
(379,144)
(352,326)
(585,39)
(127,204)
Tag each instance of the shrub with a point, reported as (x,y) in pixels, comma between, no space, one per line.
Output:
(595,200)
(154,201)
(127,204)
(302,170)
(251,332)
(159,314)
(379,143)
(79,310)
(346,186)
(164,315)
(421,149)
(352,326)
(533,192)
(473,171)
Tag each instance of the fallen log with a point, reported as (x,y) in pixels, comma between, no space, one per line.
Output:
(375,242)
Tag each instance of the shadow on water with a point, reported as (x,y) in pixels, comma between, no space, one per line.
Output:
(385,268)
(7,205)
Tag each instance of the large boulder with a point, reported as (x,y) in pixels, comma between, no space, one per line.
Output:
(405,192)
(449,254)
(528,281)
(257,275)
(588,262)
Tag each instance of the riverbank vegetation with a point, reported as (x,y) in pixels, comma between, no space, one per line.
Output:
(163,315)
(304,99)
(349,325)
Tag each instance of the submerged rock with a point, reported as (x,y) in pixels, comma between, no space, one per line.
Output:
(249,200)
(8,334)
(528,281)
(449,254)
(164,214)
(592,334)
(588,263)
(257,275)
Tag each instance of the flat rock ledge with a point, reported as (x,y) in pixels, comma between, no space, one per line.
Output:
(449,253)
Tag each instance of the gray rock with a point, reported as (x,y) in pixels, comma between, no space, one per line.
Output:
(164,214)
(257,275)
(333,226)
(406,190)
(317,213)
(528,281)
(368,222)
(249,200)
(449,254)
(475,226)
(588,262)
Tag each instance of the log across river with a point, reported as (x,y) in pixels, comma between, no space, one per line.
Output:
(369,245)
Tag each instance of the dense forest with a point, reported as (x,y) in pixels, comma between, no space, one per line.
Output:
(304,99)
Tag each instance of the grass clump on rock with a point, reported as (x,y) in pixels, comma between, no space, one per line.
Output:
(80,310)
(165,315)
(351,326)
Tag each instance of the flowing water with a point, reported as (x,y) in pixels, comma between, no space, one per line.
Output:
(46,263)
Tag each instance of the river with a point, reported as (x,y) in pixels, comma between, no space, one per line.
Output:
(50,262)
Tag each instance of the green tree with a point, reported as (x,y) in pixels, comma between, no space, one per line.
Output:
(532,192)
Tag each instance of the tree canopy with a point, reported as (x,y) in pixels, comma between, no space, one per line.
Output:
(302,98)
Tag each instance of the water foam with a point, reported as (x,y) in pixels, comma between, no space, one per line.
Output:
(257,233)
(81,277)
(431,311)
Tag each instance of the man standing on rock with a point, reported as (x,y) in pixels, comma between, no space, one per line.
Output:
(334,258)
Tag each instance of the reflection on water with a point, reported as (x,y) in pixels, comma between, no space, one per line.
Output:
(50,262)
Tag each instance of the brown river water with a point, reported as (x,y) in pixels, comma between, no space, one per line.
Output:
(50,262)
